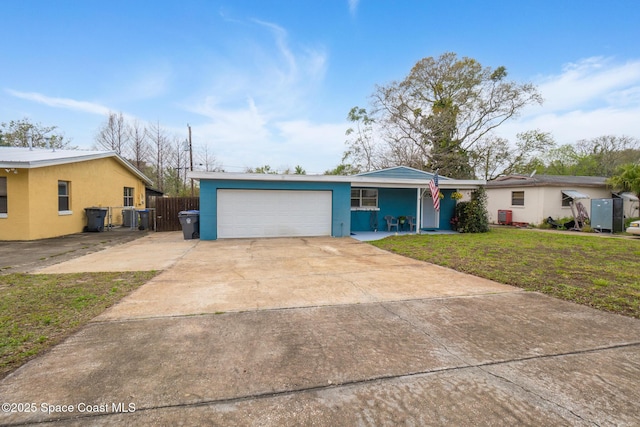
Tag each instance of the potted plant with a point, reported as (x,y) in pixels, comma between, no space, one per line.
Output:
(456,195)
(402,219)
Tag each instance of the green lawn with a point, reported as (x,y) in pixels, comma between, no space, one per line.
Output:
(598,271)
(38,311)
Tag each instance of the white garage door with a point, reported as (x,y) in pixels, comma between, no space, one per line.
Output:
(273,213)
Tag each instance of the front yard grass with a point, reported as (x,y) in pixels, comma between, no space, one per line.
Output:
(596,271)
(40,310)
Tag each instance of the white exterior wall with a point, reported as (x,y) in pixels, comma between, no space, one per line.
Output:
(631,208)
(539,202)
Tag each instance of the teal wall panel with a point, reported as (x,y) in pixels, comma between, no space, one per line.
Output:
(447,209)
(366,221)
(391,201)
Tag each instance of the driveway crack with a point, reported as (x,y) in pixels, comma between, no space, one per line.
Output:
(424,332)
(539,396)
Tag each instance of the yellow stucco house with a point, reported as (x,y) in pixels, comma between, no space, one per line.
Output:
(44,193)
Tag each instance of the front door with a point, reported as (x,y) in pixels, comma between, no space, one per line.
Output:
(430,217)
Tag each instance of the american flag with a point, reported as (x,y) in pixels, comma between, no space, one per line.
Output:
(435,191)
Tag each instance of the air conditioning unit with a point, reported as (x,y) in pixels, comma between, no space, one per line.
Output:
(505,217)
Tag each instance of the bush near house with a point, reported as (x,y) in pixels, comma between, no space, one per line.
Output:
(471,216)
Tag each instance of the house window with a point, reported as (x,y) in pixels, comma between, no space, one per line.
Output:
(517,198)
(364,197)
(128,196)
(3,197)
(64,204)
(566,200)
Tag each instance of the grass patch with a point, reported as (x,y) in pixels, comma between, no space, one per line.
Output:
(40,310)
(596,271)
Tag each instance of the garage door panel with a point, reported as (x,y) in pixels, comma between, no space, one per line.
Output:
(273,213)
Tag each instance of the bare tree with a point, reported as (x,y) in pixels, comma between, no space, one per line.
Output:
(206,159)
(494,156)
(177,167)
(139,149)
(160,148)
(114,135)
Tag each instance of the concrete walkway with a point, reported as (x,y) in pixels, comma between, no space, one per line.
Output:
(327,331)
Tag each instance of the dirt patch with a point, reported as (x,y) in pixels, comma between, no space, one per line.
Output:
(28,256)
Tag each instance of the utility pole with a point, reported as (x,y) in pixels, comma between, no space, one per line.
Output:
(190,157)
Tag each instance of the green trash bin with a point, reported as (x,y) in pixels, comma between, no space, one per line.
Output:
(95,219)
(190,222)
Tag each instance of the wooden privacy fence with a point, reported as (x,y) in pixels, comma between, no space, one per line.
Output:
(167,209)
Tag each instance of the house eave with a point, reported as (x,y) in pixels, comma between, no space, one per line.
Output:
(491,185)
(60,159)
(354,180)
(518,181)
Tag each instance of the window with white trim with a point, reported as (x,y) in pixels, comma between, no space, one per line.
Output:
(128,196)
(64,202)
(517,198)
(364,197)
(3,196)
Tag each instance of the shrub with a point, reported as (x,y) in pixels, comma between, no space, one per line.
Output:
(472,216)
(544,225)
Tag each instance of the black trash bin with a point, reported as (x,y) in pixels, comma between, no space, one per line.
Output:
(95,219)
(190,222)
(144,219)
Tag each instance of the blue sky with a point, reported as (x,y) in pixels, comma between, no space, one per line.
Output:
(271,82)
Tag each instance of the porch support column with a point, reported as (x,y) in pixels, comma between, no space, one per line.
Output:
(418,213)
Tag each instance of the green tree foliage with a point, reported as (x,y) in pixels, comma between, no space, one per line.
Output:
(471,216)
(266,169)
(436,116)
(627,178)
(342,169)
(19,133)
(600,156)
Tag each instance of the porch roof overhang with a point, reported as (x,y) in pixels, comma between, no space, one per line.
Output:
(573,194)
(355,181)
(628,196)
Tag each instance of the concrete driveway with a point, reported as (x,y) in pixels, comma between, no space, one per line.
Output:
(324,331)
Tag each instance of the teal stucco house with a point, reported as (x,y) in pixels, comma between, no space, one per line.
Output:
(241,205)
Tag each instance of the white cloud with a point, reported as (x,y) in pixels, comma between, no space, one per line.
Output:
(242,138)
(353,6)
(256,106)
(588,81)
(66,103)
(589,98)
(280,36)
(314,146)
